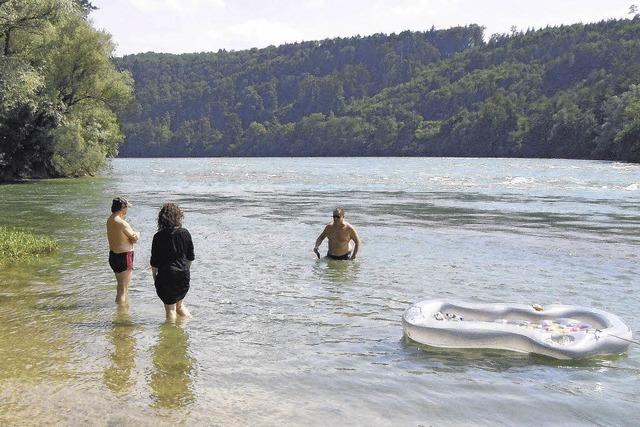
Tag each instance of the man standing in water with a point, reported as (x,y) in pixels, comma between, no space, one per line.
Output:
(339,233)
(121,239)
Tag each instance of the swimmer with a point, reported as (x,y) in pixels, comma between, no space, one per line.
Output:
(339,234)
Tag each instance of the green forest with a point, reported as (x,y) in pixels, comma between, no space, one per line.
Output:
(67,104)
(59,91)
(559,92)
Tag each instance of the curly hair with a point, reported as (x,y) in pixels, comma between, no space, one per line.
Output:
(170,217)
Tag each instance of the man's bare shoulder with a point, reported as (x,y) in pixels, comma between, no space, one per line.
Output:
(351,229)
(116,222)
(121,220)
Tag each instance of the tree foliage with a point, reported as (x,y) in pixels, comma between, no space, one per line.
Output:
(568,91)
(59,91)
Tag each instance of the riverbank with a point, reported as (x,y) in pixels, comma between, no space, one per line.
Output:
(18,244)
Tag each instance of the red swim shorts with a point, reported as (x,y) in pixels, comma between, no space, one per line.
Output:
(121,262)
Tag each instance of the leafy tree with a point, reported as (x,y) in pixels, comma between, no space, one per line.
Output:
(86,5)
(567,91)
(628,139)
(60,91)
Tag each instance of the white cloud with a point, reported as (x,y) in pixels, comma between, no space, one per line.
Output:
(261,32)
(315,4)
(178,41)
(145,5)
(179,6)
(398,15)
(415,9)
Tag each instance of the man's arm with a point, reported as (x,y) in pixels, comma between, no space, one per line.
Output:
(133,236)
(319,242)
(356,239)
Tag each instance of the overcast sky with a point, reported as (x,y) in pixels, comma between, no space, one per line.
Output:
(179,26)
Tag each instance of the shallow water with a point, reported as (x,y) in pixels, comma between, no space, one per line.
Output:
(279,337)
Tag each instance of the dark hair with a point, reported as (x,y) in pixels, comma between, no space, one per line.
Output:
(170,217)
(118,204)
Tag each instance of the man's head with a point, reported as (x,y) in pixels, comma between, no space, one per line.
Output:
(338,215)
(118,204)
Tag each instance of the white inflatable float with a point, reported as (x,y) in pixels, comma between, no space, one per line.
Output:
(558,331)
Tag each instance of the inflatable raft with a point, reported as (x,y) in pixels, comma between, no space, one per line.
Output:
(558,331)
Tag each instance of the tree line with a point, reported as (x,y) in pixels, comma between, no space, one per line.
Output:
(221,103)
(571,91)
(59,90)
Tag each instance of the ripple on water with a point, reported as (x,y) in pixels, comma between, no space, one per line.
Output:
(278,337)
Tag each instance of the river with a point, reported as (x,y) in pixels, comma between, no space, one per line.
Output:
(278,337)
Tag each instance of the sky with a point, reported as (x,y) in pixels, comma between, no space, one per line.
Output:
(182,26)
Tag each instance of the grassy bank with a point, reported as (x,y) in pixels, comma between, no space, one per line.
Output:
(17,244)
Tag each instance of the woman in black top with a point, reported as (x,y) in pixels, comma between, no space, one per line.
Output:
(171,256)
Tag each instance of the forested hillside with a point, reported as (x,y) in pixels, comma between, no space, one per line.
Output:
(59,90)
(569,91)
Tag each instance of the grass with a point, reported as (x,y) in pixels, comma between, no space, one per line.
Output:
(18,244)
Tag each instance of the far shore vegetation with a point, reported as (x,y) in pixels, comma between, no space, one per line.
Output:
(19,244)
(571,91)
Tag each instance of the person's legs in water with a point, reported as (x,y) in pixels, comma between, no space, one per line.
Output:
(122,266)
(181,309)
(171,312)
(122,292)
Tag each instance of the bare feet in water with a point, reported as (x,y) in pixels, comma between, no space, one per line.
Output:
(181,309)
(175,310)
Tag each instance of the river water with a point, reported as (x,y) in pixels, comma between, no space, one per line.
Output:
(278,337)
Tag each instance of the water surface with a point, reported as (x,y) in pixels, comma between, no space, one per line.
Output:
(279,337)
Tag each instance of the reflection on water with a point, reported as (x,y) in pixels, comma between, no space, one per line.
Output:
(336,271)
(493,360)
(118,375)
(171,379)
(33,313)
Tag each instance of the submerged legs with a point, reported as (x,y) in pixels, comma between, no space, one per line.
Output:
(122,291)
(181,309)
(175,310)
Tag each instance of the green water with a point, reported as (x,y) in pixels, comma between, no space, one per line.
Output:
(278,337)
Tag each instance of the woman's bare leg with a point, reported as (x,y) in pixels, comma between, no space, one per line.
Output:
(171,312)
(181,309)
